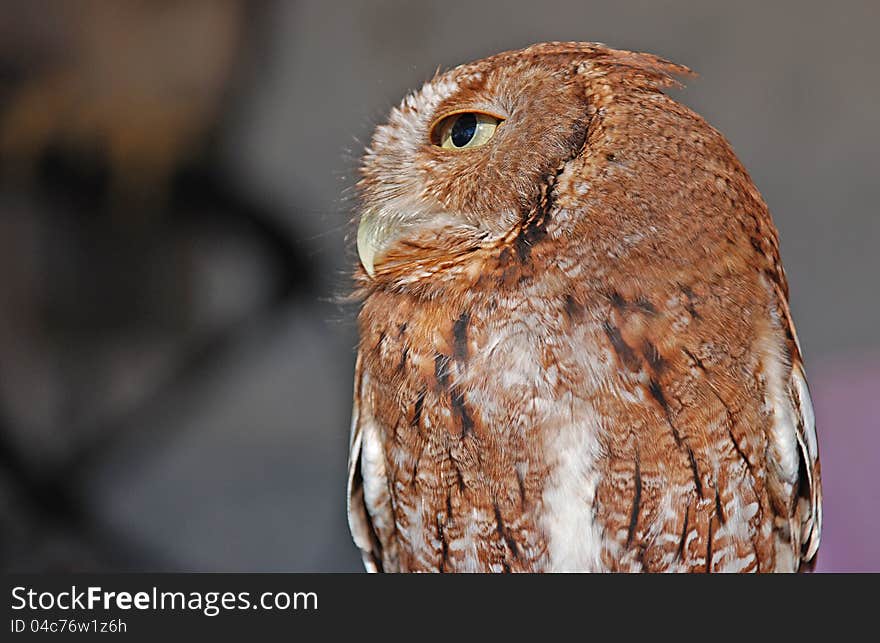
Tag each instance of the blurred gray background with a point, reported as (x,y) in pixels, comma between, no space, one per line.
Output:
(175,195)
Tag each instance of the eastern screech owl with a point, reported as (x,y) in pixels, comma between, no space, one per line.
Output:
(576,351)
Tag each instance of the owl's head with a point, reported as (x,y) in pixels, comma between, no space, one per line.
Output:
(463,163)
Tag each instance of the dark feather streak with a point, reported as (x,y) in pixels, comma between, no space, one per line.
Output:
(461,409)
(623,350)
(684,533)
(697,482)
(637,499)
(441,370)
(653,357)
(719,508)
(505,535)
(417,409)
(460,337)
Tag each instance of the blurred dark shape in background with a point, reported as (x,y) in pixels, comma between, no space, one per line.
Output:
(134,271)
(175,377)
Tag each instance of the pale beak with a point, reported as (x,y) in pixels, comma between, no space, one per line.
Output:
(373,236)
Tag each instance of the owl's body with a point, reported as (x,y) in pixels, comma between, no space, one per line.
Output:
(576,351)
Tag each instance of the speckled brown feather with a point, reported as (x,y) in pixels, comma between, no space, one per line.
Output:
(585,361)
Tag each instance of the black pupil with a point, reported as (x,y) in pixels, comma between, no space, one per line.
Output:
(464,129)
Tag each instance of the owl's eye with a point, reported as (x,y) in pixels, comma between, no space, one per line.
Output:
(464,130)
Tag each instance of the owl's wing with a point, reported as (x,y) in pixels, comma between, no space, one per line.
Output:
(794,444)
(369,504)
(795,439)
(723,473)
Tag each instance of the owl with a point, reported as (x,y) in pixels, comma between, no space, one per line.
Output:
(576,351)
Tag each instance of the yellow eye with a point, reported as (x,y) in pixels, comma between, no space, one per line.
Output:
(464,130)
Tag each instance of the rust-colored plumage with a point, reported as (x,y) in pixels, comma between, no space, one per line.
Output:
(576,350)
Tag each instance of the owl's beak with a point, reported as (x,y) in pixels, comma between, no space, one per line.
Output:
(372,239)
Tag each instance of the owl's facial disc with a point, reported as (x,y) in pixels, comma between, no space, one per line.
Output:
(460,130)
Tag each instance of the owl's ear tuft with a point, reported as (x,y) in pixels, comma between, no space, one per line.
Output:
(651,70)
(643,68)
(592,58)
